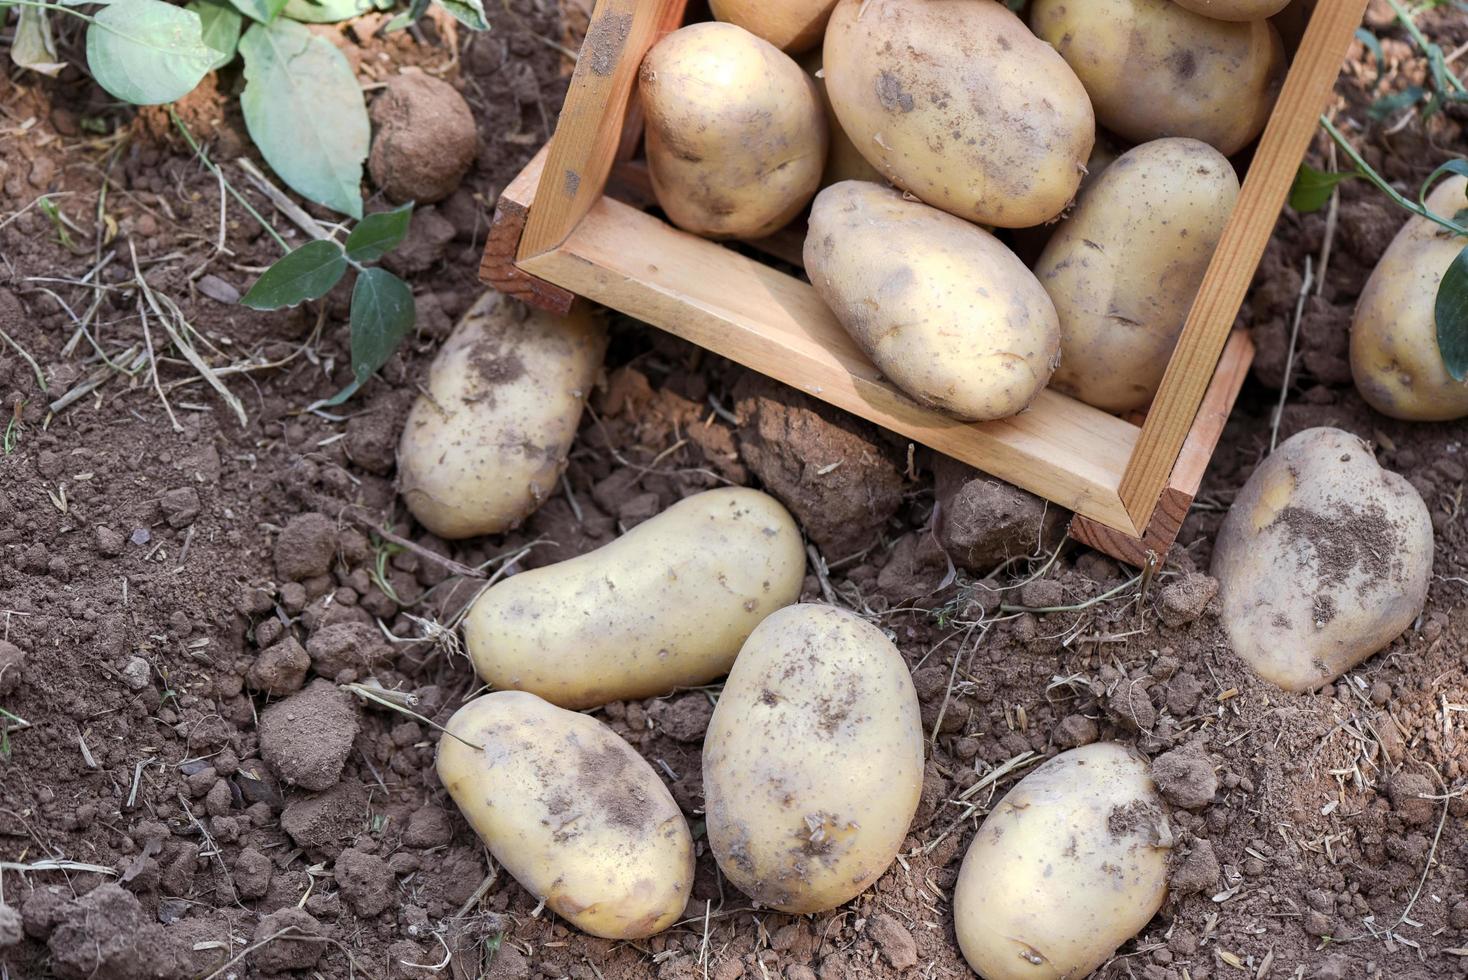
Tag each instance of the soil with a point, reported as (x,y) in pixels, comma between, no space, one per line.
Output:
(179,591)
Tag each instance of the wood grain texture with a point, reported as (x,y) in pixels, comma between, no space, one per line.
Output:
(776,324)
(497,266)
(1187,475)
(630,140)
(1282,147)
(589,131)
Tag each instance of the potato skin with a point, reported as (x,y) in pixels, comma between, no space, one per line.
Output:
(989,124)
(1234,9)
(1124,268)
(507,388)
(1154,69)
(736,138)
(813,761)
(571,811)
(666,605)
(1323,559)
(843,160)
(941,307)
(1071,864)
(1394,355)
(791,25)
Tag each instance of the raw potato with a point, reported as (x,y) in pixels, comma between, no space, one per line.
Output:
(571,811)
(1154,69)
(1323,559)
(666,605)
(989,123)
(487,444)
(736,138)
(1234,9)
(1071,864)
(790,25)
(843,160)
(813,761)
(941,307)
(1124,268)
(1394,354)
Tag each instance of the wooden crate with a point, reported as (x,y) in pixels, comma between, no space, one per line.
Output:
(571,224)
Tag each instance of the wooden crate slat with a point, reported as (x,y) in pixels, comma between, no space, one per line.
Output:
(497,266)
(776,324)
(1293,123)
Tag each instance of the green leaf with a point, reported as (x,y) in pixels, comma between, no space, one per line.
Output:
(415,10)
(221,28)
(331,11)
(306,273)
(1451,313)
(1457,166)
(1373,44)
(382,315)
(148,52)
(33,47)
(305,112)
(379,234)
(470,13)
(263,11)
(1312,188)
(1389,104)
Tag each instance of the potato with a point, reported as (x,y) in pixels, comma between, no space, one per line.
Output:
(1154,69)
(486,445)
(940,306)
(736,138)
(1234,9)
(1323,559)
(1395,359)
(813,761)
(791,25)
(843,160)
(987,123)
(664,606)
(1071,864)
(1124,268)
(571,811)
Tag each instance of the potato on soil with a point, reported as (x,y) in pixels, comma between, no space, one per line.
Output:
(424,139)
(1234,9)
(1395,359)
(1124,268)
(1071,864)
(813,761)
(1323,559)
(482,450)
(666,605)
(571,811)
(941,307)
(988,124)
(790,25)
(736,139)
(1154,69)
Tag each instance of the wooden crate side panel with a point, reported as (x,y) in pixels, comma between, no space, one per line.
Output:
(1293,123)
(776,324)
(497,266)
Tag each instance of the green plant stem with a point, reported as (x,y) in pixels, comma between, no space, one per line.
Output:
(214,169)
(1366,170)
(1422,42)
(51,6)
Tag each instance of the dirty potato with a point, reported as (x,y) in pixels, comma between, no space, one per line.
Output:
(666,605)
(988,124)
(1124,268)
(1154,69)
(1071,864)
(843,160)
(792,25)
(487,443)
(736,139)
(1395,359)
(571,811)
(941,307)
(1323,559)
(813,762)
(1234,9)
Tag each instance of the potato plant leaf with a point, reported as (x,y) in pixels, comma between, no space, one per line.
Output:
(33,47)
(148,52)
(470,13)
(1457,166)
(1451,314)
(382,315)
(221,25)
(1389,104)
(263,11)
(1373,44)
(306,273)
(1312,188)
(304,111)
(380,233)
(331,11)
(410,15)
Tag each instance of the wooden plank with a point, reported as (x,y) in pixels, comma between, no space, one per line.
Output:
(590,127)
(1286,137)
(630,140)
(776,324)
(497,266)
(1187,476)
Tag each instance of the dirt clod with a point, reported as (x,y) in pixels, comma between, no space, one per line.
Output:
(12,662)
(280,669)
(424,140)
(1197,872)
(1407,791)
(291,943)
(1185,777)
(304,548)
(365,881)
(12,929)
(1183,600)
(306,737)
(894,940)
(985,521)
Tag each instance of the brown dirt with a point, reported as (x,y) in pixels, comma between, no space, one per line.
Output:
(165,615)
